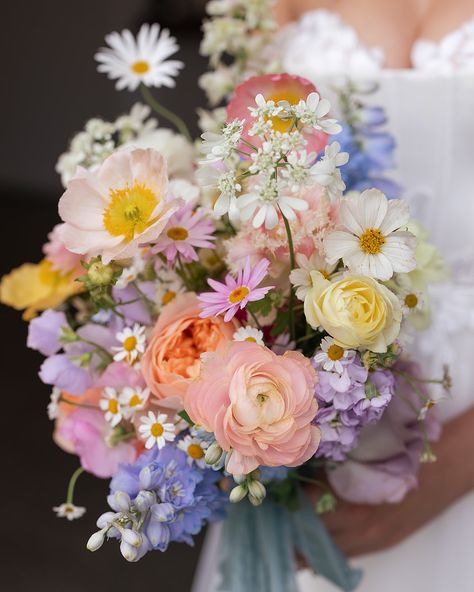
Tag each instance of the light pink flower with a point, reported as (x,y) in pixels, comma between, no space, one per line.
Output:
(235,293)
(117,208)
(260,406)
(186,230)
(61,259)
(273,87)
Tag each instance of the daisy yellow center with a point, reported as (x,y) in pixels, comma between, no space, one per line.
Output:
(134,400)
(371,241)
(326,275)
(281,125)
(140,67)
(177,233)
(411,300)
(130,211)
(251,339)
(69,509)
(156,430)
(168,297)
(195,451)
(238,294)
(335,352)
(113,406)
(130,343)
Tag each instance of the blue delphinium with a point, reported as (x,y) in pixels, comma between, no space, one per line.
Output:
(156,500)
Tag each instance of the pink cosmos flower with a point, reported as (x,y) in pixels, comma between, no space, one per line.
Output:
(117,208)
(186,230)
(259,405)
(235,293)
(273,87)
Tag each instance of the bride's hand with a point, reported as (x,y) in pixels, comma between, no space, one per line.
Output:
(359,529)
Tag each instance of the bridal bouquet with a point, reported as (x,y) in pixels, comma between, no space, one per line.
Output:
(224,322)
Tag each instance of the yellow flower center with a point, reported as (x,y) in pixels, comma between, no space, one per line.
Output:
(68,509)
(113,406)
(251,339)
(411,300)
(168,297)
(177,233)
(156,430)
(335,352)
(130,211)
(281,125)
(134,400)
(130,343)
(140,67)
(195,451)
(238,294)
(371,241)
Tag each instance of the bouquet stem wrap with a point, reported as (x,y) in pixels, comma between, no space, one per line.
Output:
(258,545)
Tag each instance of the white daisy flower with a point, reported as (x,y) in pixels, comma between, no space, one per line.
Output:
(133,399)
(249,334)
(331,355)
(132,340)
(111,405)
(411,301)
(130,274)
(155,430)
(169,285)
(300,277)
(263,202)
(372,244)
(313,111)
(140,61)
(69,511)
(326,173)
(53,405)
(195,450)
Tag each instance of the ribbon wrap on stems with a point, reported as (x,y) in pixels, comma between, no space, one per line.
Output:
(257,549)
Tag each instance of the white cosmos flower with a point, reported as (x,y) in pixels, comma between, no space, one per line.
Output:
(300,277)
(371,243)
(155,430)
(69,511)
(249,334)
(140,61)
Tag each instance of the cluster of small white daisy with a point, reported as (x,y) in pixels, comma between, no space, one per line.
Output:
(132,344)
(279,168)
(100,139)
(123,404)
(241,29)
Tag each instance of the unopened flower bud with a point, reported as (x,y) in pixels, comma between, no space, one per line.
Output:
(129,552)
(239,479)
(100,274)
(257,490)
(237,494)
(96,541)
(131,537)
(144,500)
(255,501)
(121,501)
(213,453)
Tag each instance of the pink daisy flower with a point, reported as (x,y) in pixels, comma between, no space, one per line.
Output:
(186,230)
(235,293)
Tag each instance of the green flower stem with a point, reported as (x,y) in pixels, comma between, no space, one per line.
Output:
(72,484)
(98,348)
(291,312)
(148,303)
(166,113)
(254,317)
(84,405)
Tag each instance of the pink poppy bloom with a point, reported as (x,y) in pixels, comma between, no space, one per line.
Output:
(61,259)
(273,87)
(235,293)
(186,230)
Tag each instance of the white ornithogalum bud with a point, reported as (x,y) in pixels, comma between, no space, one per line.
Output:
(239,479)
(255,501)
(144,500)
(237,494)
(131,537)
(213,454)
(129,552)
(122,501)
(96,541)
(256,490)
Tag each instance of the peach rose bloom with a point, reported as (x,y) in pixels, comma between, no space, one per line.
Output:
(172,358)
(259,405)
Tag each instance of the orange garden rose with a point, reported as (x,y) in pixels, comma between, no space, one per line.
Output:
(172,358)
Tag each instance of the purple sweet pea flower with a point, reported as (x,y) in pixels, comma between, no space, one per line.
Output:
(44,332)
(62,372)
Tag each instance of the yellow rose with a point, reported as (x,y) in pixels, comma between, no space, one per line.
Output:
(36,286)
(356,311)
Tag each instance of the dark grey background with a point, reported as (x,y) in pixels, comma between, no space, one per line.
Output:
(49,89)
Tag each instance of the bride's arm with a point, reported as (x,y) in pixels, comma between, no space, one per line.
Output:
(361,529)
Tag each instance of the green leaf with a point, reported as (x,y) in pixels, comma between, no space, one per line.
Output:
(326,503)
(186,417)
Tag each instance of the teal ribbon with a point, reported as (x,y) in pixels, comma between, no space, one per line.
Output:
(257,550)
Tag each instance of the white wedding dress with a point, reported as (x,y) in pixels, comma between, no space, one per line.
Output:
(430,111)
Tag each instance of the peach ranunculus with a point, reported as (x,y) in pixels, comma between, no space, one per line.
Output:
(259,405)
(172,358)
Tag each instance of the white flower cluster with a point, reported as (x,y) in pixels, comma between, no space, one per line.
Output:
(279,165)
(241,29)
